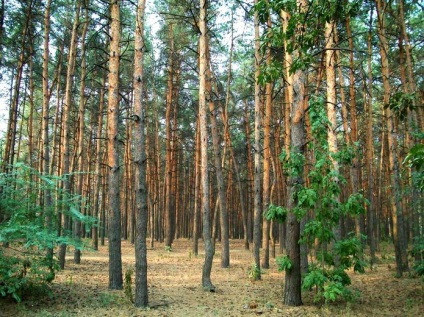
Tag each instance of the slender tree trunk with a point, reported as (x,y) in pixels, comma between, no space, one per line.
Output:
(204,178)
(2,11)
(394,170)
(81,129)
(369,147)
(98,168)
(266,188)
(257,155)
(48,203)
(168,166)
(9,152)
(114,230)
(223,219)
(197,193)
(66,127)
(141,293)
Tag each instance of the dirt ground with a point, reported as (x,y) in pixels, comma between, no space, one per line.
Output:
(174,289)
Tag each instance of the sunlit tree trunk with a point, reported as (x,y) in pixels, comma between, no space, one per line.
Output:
(288,99)
(141,293)
(331,108)
(114,213)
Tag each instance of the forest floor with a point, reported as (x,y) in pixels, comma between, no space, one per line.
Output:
(174,289)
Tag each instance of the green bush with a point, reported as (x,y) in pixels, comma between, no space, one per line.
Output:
(27,259)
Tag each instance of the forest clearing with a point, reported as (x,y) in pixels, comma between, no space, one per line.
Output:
(82,290)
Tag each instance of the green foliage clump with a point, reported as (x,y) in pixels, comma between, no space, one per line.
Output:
(329,284)
(400,103)
(415,160)
(27,237)
(321,198)
(254,272)
(418,253)
(277,213)
(284,263)
(128,285)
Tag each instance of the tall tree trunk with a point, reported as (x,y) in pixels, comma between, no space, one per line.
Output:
(98,168)
(48,203)
(168,166)
(257,155)
(9,152)
(250,177)
(66,137)
(2,11)
(266,186)
(204,178)
(81,129)
(197,192)
(141,293)
(394,171)
(331,110)
(114,230)
(369,148)
(223,219)
(292,285)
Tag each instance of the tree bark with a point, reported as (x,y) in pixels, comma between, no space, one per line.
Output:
(48,202)
(204,178)
(223,214)
(66,127)
(114,213)
(257,155)
(168,166)
(292,285)
(141,293)
(81,129)
(266,186)
(394,170)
